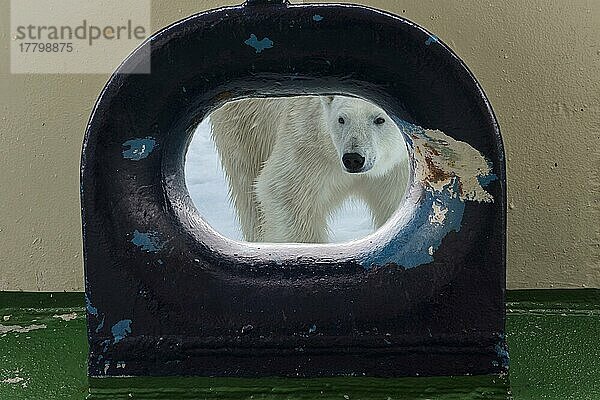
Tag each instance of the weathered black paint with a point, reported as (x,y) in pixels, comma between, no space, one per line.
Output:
(201,305)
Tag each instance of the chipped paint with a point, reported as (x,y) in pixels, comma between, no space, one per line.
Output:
(120,330)
(486,180)
(503,354)
(501,349)
(317,18)
(100,325)
(431,39)
(259,45)
(94,311)
(312,328)
(20,329)
(449,172)
(105,345)
(66,317)
(439,158)
(418,240)
(13,381)
(138,149)
(147,241)
(89,307)
(439,213)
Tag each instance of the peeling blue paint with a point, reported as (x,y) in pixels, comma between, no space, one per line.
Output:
(101,324)
(431,39)
(138,149)
(147,241)
(439,211)
(317,17)
(94,311)
(502,350)
(503,354)
(259,45)
(160,262)
(485,180)
(121,329)
(89,307)
(416,243)
(411,246)
(312,328)
(105,345)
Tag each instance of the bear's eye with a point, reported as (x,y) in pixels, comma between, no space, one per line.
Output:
(341,120)
(379,121)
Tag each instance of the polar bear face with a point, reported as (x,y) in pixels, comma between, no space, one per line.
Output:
(366,139)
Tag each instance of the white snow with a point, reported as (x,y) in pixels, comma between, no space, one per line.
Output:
(208,188)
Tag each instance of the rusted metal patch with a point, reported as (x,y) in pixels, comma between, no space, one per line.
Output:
(448,172)
(439,159)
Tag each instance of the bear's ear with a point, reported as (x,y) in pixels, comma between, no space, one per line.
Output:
(327,100)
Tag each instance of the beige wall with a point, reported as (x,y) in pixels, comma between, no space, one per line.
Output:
(538,61)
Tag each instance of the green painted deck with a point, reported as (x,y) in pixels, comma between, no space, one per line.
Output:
(553,335)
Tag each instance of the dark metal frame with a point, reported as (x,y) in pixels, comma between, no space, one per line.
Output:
(168,296)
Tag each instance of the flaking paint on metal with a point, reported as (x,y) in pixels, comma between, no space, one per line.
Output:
(89,307)
(138,149)
(449,173)
(259,45)
(20,329)
(120,330)
(150,242)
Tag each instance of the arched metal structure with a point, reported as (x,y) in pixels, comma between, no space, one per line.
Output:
(167,295)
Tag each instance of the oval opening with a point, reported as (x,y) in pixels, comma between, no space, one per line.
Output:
(298,169)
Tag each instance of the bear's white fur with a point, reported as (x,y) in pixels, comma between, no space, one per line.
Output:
(283,160)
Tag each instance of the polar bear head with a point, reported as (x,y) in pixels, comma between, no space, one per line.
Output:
(366,139)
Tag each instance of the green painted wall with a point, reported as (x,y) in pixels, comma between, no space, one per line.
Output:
(551,334)
(539,62)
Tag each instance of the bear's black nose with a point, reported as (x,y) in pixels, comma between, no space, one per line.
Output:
(353,162)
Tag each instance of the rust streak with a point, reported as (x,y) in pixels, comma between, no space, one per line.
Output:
(435,173)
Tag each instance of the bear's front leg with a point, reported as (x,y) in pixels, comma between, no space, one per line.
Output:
(291,204)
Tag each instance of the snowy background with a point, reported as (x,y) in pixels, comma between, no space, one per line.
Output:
(208,188)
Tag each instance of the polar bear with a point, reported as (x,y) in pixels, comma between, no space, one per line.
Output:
(292,161)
